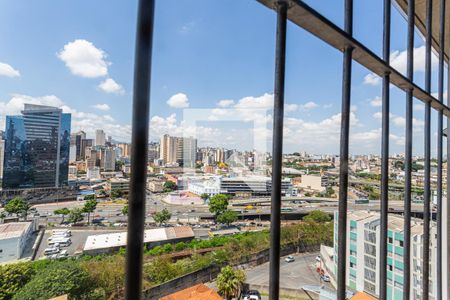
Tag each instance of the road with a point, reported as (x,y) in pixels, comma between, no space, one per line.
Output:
(293,275)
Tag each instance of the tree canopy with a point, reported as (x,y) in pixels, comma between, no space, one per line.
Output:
(17,206)
(56,280)
(227,217)
(170,186)
(75,215)
(230,281)
(162,216)
(13,277)
(89,207)
(218,204)
(125,210)
(317,216)
(62,211)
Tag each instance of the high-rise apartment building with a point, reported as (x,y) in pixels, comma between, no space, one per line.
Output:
(108,159)
(100,137)
(85,143)
(153,152)
(126,149)
(77,139)
(220,155)
(37,148)
(178,150)
(363,253)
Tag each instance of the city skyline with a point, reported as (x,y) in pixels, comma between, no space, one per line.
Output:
(89,75)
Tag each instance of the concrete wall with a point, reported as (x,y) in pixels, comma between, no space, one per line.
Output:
(181,283)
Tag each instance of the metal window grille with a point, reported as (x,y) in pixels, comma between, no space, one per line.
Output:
(307,18)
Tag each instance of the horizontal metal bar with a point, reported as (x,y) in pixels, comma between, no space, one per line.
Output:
(309,19)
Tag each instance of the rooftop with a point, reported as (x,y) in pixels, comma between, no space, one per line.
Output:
(196,292)
(119,239)
(13,230)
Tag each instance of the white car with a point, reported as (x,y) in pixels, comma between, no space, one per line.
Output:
(289,259)
(325,278)
(318,258)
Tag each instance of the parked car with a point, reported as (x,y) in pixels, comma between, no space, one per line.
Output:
(252,295)
(318,258)
(51,250)
(325,278)
(289,259)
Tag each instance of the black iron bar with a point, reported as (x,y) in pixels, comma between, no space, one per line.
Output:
(439,151)
(343,155)
(408,156)
(139,149)
(427,153)
(277,150)
(313,22)
(385,154)
(446,247)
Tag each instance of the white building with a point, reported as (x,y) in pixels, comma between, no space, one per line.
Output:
(13,239)
(93,173)
(363,253)
(210,186)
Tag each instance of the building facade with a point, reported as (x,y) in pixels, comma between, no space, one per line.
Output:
(363,253)
(37,148)
(100,137)
(178,150)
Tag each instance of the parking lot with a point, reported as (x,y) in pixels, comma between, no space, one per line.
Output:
(78,239)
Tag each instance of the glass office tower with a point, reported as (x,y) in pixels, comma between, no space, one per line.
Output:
(37,145)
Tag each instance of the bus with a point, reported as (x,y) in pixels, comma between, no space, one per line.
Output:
(286,209)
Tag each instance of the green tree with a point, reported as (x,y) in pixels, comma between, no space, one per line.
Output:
(90,197)
(56,280)
(170,186)
(18,206)
(89,207)
(230,281)
(13,277)
(116,194)
(218,204)
(317,216)
(125,210)
(62,211)
(204,196)
(227,217)
(162,216)
(75,215)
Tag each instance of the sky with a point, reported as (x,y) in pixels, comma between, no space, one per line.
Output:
(212,72)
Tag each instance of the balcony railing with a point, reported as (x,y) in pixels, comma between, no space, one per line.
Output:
(310,20)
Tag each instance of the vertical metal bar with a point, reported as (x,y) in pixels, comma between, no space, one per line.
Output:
(343,155)
(446,247)
(277,150)
(427,144)
(385,154)
(139,142)
(408,156)
(439,151)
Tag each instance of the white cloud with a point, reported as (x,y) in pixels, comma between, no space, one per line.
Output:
(330,105)
(85,121)
(179,100)
(225,103)
(8,70)
(84,59)
(110,86)
(399,60)
(308,106)
(372,79)
(419,107)
(399,121)
(104,107)
(376,102)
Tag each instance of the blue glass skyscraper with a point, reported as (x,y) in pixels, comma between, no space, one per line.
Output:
(37,145)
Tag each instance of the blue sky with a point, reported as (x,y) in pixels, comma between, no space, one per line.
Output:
(79,55)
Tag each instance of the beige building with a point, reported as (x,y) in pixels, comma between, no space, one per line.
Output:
(316,183)
(178,150)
